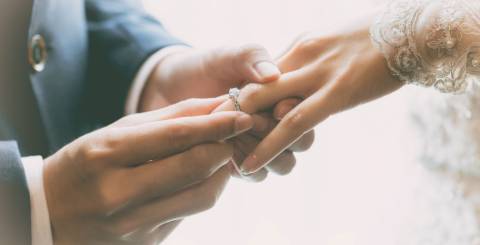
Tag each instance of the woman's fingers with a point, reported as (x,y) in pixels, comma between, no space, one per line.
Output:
(293,126)
(280,111)
(259,97)
(281,165)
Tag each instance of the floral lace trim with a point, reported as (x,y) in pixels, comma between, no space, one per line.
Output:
(431,42)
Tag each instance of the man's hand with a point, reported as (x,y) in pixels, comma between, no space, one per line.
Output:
(330,73)
(133,181)
(191,73)
(198,74)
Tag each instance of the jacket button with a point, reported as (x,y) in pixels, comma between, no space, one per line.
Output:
(37,53)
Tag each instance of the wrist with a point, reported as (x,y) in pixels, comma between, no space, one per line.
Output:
(359,35)
(429,43)
(357,38)
(364,66)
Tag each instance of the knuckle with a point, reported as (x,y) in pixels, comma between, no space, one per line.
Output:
(306,44)
(250,50)
(111,139)
(109,197)
(96,150)
(311,43)
(105,145)
(296,122)
(250,94)
(93,152)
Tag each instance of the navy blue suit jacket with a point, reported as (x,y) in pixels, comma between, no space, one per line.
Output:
(95,48)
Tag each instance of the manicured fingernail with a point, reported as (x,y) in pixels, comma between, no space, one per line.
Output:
(248,165)
(243,123)
(267,69)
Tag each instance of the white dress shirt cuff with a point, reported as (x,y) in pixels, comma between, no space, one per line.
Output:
(40,218)
(136,90)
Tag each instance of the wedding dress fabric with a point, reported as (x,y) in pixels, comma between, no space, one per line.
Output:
(446,200)
(431,42)
(436,43)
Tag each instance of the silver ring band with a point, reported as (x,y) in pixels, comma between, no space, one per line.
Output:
(233,94)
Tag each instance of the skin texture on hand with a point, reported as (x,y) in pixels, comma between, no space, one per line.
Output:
(195,73)
(198,74)
(135,180)
(330,74)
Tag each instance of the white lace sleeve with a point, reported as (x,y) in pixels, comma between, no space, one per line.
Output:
(431,42)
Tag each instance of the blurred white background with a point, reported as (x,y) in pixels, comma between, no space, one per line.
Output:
(353,187)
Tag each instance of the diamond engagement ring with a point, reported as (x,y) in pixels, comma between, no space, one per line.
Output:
(233,94)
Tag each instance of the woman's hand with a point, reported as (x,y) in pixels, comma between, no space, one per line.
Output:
(330,74)
(264,123)
(189,73)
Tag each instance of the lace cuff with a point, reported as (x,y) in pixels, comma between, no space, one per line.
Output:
(431,42)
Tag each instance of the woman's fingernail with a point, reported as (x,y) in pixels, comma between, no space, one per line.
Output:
(248,165)
(243,123)
(267,69)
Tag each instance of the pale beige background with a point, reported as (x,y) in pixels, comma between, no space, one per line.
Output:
(351,188)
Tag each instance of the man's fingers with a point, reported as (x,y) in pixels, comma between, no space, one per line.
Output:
(255,64)
(190,201)
(151,141)
(164,177)
(249,63)
(283,164)
(304,143)
(190,107)
(284,107)
(297,122)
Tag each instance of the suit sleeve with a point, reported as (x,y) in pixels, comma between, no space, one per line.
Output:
(15,225)
(121,37)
